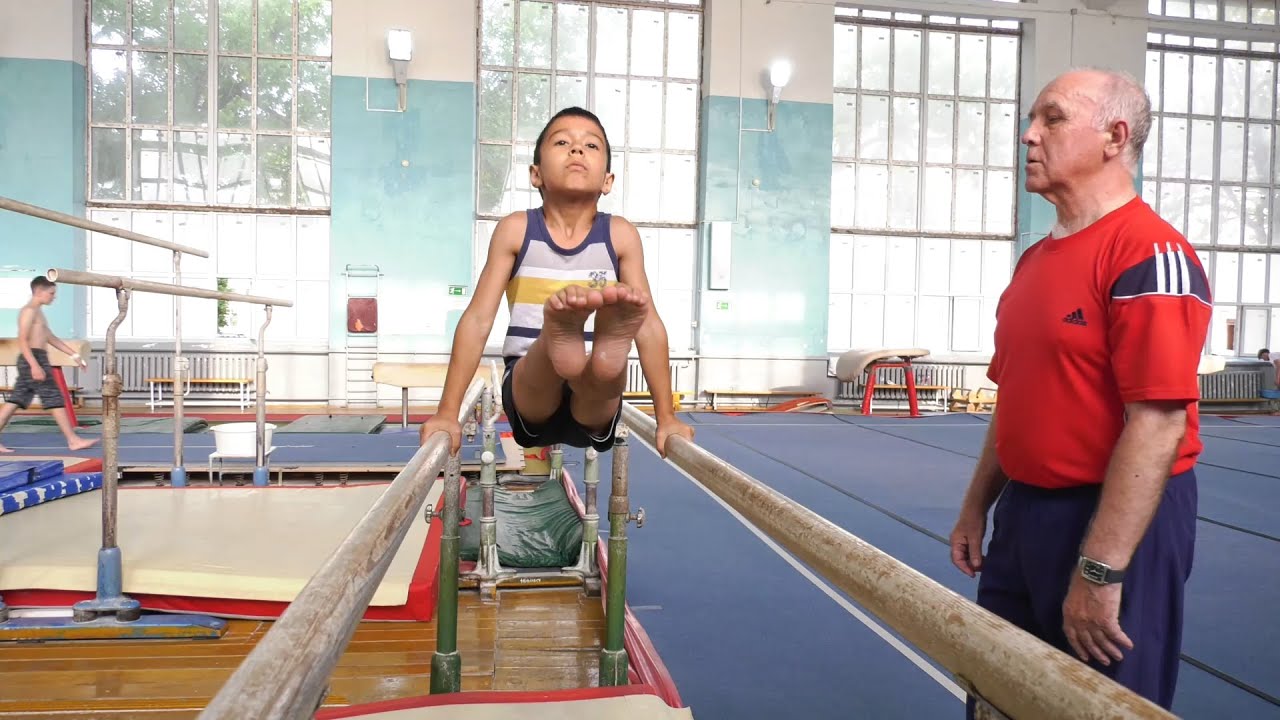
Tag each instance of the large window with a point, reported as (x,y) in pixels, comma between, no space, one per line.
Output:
(197,107)
(637,66)
(1211,168)
(1254,12)
(924,176)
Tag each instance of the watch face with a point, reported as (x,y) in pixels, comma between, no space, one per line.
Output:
(1094,571)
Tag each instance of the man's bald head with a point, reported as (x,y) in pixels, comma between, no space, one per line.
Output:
(1115,97)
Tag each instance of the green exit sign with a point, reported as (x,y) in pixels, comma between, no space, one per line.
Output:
(722,306)
(457,290)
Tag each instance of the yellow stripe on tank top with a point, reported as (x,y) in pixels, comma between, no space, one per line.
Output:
(535,291)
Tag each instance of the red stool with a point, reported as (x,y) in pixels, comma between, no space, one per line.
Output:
(875,367)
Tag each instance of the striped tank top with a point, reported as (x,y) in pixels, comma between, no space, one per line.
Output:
(542,269)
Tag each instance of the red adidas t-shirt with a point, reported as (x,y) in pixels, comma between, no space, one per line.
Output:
(1113,314)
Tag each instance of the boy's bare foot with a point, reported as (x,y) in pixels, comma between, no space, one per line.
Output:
(563,316)
(4,449)
(617,323)
(82,443)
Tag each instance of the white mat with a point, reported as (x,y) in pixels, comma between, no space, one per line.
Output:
(627,707)
(229,543)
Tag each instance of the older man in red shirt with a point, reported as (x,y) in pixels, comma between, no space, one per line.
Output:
(1092,446)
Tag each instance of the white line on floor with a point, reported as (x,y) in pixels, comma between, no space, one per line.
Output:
(830,592)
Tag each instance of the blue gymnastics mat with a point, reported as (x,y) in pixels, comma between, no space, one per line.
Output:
(47,490)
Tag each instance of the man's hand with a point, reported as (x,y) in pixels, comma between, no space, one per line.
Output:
(668,428)
(1091,621)
(966,541)
(442,423)
(37,373)
(79,360)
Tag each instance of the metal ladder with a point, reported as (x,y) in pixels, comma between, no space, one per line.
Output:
(361,348)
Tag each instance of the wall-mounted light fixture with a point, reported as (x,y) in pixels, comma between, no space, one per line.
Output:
(779,76)
(400,51)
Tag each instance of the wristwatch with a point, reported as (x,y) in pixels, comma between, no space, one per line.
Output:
(1099,573)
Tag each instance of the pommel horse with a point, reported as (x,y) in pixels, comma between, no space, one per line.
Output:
(10,351)
(851,365)
(426,375)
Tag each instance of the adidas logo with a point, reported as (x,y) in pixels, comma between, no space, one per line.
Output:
(1075,318)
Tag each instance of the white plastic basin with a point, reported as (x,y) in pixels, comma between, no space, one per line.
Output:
(240,438)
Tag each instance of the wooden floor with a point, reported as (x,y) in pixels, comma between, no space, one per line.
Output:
(529,639)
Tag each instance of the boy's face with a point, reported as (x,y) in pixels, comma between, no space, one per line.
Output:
(573,159)
(45,296)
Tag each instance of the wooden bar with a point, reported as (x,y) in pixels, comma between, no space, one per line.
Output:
(287,674)
(79,277)
(54,216)
(1016,672)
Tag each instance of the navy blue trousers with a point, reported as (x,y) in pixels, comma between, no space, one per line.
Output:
(1032,555)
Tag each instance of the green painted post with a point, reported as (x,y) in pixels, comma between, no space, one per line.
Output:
(613,658)
(446,663)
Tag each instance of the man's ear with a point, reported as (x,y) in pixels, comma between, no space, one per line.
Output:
(535,177)
(608,184)
(1117,138)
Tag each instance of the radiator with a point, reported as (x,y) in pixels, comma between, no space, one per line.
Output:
(635,375)
(136,366)
(1231,385)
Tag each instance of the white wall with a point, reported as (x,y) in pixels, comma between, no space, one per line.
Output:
(42,29)
(743,37)
(444,38)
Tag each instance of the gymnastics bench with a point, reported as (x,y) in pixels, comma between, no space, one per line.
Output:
(9,352)
(676,398)
(426,375)
(242,386)
(853,363)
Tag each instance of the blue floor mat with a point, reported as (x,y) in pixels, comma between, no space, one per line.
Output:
(47,490)
(758,418)
(718,603)
(16,473)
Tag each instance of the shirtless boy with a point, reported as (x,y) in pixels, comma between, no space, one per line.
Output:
(35,374)
(560,265)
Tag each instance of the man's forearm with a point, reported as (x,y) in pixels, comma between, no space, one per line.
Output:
(1134,484)
(57,342)
(655,356)
(468,348)
(988,478)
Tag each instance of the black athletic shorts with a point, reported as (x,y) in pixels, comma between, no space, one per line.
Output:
(27,388)
(559,429)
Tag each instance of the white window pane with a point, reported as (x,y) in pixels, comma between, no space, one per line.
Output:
(987,327)
(1253,334)
(1229,228)
(682,117)
(644,124)
(1262,89)
(495,106)
(843,184)
(938,193)
(906,129)
(199,316)
(611,107)
(1202,137)
(678,248)
(972,133)
(1275,328)
(966,324)
(1177,82)
(679,188)
(534,48)
(868,264)
(152,313)
(196,230)
(1200,214)
(684,49)
(151,165)
(868,321)
(676,310)
(904,185)
(969,201)
(644,186)
(875,58)
(311,309)
(533,105)
(1150,195)
(1258,157)
(611,40)
(941,130)
(1273,293)
(973,65)
(933,322)
(108,253)
(873,128)
(1253,278)
(872,200)
(1000,198)
(899,320)
(844,116)
(900,267)
(966,267)
(1173,197)
(906,61)
(647,30)
(839,322)
(235,169)
(276,252)
(284,323)
(1226,277)
(149,258)
(1204,85)
(845,56)
(1002,147)
(1173,147)
(935,266)
(1004,67)
(942,63)
(840,264)
(103,308)
(190,166)
(651,243)
(1234,90)
(1177,8)
(1150,151)
(1231,155)
(1275,226)
(572,35)
(1152,78)
(235,245)
(1222,329)
(996,267)
(571,91)
(1257,210)
(615,201)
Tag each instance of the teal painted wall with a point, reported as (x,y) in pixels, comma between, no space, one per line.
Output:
(777,301)
(414,221)
(42,161)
